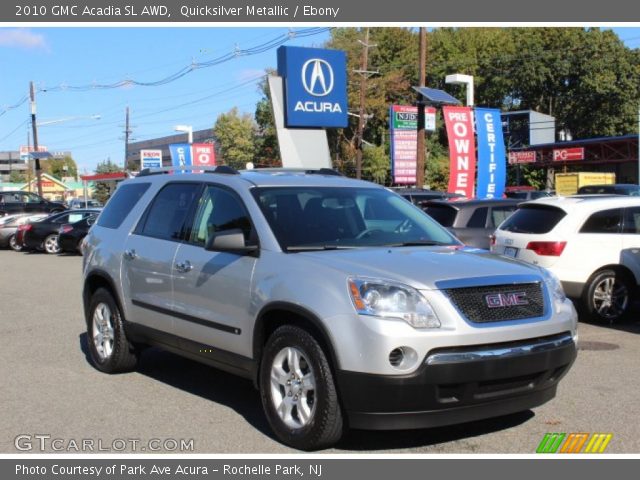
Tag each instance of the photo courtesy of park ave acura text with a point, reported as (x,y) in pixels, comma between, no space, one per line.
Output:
(318,239)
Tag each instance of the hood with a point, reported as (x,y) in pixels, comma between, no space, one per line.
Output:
(425,267)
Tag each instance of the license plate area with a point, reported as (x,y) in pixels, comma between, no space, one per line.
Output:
(511,252)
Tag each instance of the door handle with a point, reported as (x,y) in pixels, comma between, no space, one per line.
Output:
(184,267)
(130,254)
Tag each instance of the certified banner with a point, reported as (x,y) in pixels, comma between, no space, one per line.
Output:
(492,168)
(462,150)
(180,154)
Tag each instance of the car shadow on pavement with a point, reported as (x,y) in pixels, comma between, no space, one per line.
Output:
(239,395)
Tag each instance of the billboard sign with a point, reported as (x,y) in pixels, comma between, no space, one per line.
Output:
(180,155)
(315,86)
(462,150)
(25,150)
(403,124)
(568,154)
(492,167)
(150,159)
(525,156)
(203,154)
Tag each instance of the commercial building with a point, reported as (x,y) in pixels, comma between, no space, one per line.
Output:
(11,161)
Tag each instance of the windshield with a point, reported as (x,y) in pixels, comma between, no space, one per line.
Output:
(315,218)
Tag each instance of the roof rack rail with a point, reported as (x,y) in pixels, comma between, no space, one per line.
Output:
(325,171)
(308,171)
(224,169)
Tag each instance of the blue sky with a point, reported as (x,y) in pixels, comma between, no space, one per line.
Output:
(56,58)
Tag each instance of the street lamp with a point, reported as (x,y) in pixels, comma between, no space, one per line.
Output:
(462,79)
(68,119)
(188,129)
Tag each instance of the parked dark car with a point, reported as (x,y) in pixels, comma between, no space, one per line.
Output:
(472,221)
(26,202)
(615,189)
(419,196)
(528,194)
(77,203)
(43,235)
(70,235)
(9,227)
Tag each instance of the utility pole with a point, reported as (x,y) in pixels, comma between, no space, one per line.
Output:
(363,98)
(34,127)
(127,132)
(420,153)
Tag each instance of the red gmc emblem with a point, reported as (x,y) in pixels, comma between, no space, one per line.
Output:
(511,299)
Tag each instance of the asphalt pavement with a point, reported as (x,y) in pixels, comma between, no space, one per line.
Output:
(51,392)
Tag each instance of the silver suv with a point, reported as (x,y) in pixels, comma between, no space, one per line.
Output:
(342,302)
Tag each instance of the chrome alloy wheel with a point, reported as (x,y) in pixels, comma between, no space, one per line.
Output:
(293,388)
(51,244)
(610,298)
(102,330)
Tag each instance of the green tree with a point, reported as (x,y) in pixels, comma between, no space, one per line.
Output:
(17,176)
(235,134)
(56,167)
(102,190)
(266,139)
(375,164)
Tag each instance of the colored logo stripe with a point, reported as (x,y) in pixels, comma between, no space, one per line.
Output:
(598,443)
(574,442)
(550,442)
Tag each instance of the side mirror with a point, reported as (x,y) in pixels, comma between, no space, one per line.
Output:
(230,241)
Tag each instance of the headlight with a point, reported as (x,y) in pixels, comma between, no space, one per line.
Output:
(387,299)
(553,284)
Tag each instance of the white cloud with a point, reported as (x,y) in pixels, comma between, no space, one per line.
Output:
(22,38)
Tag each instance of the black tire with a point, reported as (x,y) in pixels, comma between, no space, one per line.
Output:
(607,296)
(13,244)
(325,425)
(122,355)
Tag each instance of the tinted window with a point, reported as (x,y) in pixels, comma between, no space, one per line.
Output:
(533,219)
(479,218)
(219,210)
(61,218)
(500,214)
(121,204)
(606,221)
(517,195)
(632,220)
(32,198)
(166,216)
(442,214)
(12,198)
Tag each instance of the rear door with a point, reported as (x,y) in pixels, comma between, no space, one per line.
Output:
(630,256)
(149,255)
(473,233)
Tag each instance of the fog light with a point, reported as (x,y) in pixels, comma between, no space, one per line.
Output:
(403,358)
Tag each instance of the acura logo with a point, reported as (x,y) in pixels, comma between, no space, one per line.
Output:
(317,77)
(500,300)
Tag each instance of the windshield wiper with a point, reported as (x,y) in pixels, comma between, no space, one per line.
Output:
(316,248)
(419,243)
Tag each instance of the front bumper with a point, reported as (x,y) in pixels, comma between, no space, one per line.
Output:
(457,385)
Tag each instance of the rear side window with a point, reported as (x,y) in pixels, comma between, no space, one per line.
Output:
(533,219)
(165,219)
(606,221)
(443,214)
(479,218)
(121,204)
(500,214)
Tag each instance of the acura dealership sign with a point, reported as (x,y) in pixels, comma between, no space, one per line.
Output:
(315,86)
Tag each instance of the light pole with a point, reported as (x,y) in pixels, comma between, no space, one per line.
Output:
(188,129)
(462,79)
(68,119)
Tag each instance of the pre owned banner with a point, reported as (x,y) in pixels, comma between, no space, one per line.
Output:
(462,150)
(180,154)
(492,168)
(204,154)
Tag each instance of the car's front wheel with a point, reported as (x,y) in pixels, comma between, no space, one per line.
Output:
(109,348)
(298,391)
(51,245)
(607,296)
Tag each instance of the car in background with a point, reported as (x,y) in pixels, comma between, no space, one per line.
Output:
(591,242)
(9,226)
(78,203)
(43,235)
(472,221)
(70,235)
(611,189)
(528,194)
(17,201)
(419,196)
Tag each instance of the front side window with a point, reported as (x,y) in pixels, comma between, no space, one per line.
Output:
(316,218)
(605,221)
(219,210)
(168,212)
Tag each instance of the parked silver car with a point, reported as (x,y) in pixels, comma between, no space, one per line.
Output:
(342,302)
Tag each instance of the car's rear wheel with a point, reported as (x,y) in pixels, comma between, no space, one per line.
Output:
(13,243)
(298,392)
(51,244)
(607,296)
(109,348)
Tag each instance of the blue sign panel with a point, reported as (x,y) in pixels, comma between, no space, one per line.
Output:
(492,166)
(315,86)
(180,154)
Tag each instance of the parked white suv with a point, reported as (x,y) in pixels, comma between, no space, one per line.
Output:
(592,243)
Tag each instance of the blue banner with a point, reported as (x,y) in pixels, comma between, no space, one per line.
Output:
(492,166)
(180,154)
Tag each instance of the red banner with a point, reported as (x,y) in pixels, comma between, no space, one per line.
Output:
(203,154)
(462,150)
(564,154)
(524,156)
